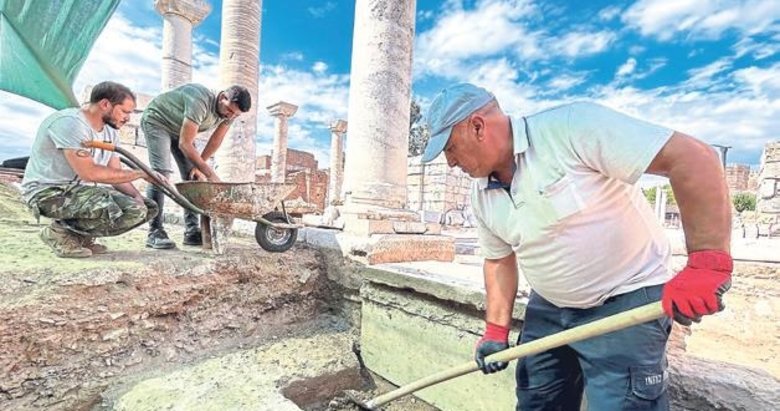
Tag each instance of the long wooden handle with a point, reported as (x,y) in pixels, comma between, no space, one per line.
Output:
(99,144)
(606,325)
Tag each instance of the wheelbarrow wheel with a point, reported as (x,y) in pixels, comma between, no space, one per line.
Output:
(275,240)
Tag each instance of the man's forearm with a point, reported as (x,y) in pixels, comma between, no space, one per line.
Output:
(192,154)
(702,196)
(501,287)
(128,189)
(107,175)
(215,141)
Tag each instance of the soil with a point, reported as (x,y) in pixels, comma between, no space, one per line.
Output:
(747,332)
(75,334)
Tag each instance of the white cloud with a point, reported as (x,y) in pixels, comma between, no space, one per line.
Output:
(576,44)
(609,13)
(459,38)
(627,68)
(322,10)
(743,117)
(563,82)
(702,77)
(758,50)
(496,29)
(632,70)
(701,18)
(319,67)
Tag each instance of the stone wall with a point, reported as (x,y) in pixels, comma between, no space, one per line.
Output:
(437,187)
(297,160)
(737,176)
(768,201)
(311,190)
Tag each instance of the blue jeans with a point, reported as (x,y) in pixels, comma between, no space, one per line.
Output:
(622,370)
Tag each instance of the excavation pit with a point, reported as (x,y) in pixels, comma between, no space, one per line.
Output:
(138,329)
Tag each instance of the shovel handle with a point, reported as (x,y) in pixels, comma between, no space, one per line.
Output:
(99,144)
(605,325)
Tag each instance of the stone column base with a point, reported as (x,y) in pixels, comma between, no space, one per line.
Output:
(382,248)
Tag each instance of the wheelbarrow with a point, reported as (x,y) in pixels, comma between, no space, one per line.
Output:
(262,203)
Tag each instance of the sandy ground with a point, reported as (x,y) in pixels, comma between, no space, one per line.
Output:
(77,333)
(747,332)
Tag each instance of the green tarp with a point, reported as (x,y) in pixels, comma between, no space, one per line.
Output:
(43,44)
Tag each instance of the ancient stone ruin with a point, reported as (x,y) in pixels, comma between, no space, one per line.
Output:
(768,201)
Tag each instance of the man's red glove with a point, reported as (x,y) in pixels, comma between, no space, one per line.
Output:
(495,339)
(697,289)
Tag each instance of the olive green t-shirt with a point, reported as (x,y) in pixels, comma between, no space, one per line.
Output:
(192,101)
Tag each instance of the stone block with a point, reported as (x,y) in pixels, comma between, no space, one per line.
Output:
(405,337)
(395,248)
(357,225)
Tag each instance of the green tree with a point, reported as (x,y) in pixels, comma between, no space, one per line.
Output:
(744,201)
(418,131)
(650,195)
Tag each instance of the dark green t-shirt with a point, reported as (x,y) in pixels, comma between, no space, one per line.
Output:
(192,101)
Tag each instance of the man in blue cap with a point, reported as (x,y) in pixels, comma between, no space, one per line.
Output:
(556,193)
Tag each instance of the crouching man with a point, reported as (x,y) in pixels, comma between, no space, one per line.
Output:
(85,191)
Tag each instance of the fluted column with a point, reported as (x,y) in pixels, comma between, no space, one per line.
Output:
(337,130)
(179,17)
(281,111)
(379,98)
(239,56)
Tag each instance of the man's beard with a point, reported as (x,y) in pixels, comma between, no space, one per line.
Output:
(108,120)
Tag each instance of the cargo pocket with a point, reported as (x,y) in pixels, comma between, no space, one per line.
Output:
(648,386)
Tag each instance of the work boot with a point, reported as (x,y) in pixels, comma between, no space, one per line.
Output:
(193,238)
(96,248)
(158,239)
(62,242)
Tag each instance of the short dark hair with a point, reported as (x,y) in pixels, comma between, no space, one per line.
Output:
(239,95)
(115,93)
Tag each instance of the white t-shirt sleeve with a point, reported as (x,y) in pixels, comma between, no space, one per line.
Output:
(491,246)
(67,133)
(613,143)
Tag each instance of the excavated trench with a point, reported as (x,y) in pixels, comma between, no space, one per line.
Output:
(91,334)
(138,329)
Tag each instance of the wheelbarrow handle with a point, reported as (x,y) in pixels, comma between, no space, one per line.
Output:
(99,144)
(166,188)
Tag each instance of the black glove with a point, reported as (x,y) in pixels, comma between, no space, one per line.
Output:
(494,340)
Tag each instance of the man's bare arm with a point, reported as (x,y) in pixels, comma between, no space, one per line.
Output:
(699,185)
(501,288)
(82,163)
(189,130)
(215,141)
(124,188)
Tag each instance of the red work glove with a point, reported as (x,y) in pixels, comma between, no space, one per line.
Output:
(495,339)
(697,289)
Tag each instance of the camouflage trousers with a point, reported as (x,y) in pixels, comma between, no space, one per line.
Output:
(92,211)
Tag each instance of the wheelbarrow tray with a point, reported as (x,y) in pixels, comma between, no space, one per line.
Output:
(249,201)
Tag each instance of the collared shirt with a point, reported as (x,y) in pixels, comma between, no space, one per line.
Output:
(580,227)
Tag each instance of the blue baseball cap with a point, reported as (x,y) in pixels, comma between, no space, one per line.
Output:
(450,106)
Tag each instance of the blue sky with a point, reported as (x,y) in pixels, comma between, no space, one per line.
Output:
(710,68)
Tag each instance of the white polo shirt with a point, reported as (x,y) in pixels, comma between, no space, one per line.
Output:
(580,227)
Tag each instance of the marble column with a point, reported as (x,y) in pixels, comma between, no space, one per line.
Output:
(768,199)
(179,17)
(379,98)
(337,130)
(281,111)
(239,63)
